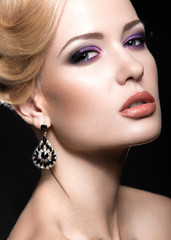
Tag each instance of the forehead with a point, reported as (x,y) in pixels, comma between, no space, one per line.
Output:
(84,16)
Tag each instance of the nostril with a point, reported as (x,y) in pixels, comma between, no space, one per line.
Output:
(136,73)
(128,68)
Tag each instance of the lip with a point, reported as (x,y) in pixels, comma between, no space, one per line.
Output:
(143,110)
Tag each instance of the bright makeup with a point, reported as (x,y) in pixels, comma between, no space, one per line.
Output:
(135,41)
(90,53)
(85,54)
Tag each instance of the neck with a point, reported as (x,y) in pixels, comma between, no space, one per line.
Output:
(90,181)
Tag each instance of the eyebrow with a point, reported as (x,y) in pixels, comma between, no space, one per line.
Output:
(131,24)
(94,35)
(99,35)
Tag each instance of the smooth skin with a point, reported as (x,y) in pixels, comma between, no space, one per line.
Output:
(79,97)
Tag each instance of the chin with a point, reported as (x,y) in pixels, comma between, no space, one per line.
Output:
(145,133)
(145,140)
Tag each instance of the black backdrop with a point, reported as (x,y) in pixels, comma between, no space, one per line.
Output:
(147,167)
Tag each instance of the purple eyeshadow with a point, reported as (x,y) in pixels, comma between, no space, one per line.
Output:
(80,56)
(90,48)
(134,36)
(83,55)
(130,41)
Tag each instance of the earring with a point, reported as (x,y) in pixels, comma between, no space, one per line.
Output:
(44,156)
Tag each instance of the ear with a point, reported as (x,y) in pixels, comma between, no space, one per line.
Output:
(33,111)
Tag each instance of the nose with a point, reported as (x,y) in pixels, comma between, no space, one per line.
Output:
(129,68)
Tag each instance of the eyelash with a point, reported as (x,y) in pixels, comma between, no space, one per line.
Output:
(131,41)
(82,55)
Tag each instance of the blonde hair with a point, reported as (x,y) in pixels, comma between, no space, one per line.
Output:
(26,28)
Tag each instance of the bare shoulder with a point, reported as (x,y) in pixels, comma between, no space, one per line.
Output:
(35,231)
(147,214)
(35,223)
(40,234)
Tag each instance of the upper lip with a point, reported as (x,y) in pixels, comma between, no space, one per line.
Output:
(143,96)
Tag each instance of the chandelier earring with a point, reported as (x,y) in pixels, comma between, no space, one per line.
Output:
(44,156)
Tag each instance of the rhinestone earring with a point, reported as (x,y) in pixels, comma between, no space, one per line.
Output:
(44,156)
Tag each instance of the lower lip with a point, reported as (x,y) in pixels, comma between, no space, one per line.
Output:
(140,111)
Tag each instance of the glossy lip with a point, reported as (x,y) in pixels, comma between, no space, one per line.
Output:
(145,109)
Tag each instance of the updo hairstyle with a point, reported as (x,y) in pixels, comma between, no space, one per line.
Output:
(26,28)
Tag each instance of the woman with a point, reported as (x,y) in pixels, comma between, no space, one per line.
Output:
(90,84)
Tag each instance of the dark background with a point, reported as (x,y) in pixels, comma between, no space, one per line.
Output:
(147,167)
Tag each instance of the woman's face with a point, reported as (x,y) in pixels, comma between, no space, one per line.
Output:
(96,61)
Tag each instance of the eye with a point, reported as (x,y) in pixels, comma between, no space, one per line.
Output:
(135,41)
(85,55)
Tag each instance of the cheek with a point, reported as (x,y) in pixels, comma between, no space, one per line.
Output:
(71,94)
(77,108)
